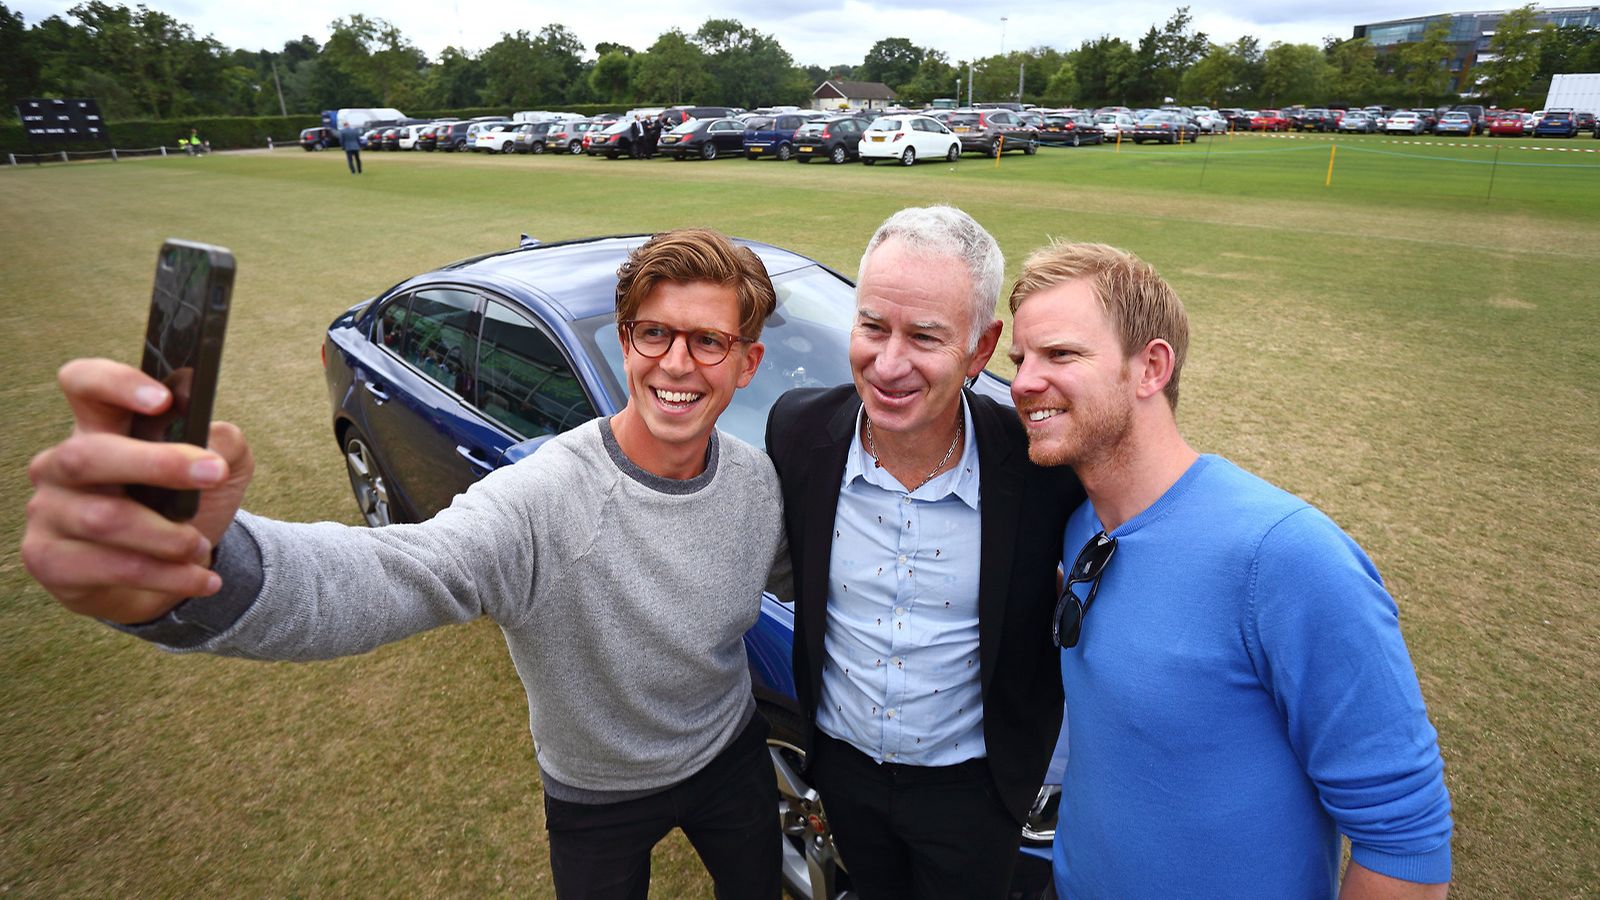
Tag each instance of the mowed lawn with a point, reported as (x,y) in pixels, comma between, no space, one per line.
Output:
(1412,349)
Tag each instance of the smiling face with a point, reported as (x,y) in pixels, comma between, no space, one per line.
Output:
(674,402)
(1074,388)
(909,348)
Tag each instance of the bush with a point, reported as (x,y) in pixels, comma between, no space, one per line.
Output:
(224,133)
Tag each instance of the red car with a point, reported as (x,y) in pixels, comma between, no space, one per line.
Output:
(1269,120)
(1507,125)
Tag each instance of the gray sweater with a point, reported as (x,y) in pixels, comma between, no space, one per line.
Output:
(623,596)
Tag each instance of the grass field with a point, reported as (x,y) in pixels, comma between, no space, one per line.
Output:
(1411,348)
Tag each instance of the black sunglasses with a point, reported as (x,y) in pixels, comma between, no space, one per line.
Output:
(1089,566)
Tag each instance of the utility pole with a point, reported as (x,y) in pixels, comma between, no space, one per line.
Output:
(283,110)
(1021,70)
(969,83)
(1003,35)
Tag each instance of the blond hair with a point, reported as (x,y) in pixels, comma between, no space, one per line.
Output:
(688,255)
(1139,304)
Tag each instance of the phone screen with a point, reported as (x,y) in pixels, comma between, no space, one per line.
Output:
(183,350)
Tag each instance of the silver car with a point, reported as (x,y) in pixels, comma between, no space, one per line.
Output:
(1405,122)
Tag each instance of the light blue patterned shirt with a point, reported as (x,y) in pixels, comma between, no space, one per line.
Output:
(900,677)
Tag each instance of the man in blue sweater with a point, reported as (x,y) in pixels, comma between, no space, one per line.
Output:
(1238,692)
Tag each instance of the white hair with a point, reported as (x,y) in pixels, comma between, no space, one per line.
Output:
(945,231)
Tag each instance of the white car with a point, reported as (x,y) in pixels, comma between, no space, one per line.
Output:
(1113,123)
(493,137)
(907,139)
(408,135)
(1406,122)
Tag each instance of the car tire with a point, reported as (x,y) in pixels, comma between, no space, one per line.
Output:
(537,148)
(709,151)
(1030,148)
(1076,140)
(506,147)
(575,148)
(811,868)
(993,149)
(953,154)
(784,152)
(366,479)
(837,157)
(909,158)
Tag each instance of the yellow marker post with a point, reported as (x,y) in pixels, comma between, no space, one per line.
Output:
(998,153)
(1119,139)
(1331,151)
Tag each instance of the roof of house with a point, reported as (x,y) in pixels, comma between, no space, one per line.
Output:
(857,90)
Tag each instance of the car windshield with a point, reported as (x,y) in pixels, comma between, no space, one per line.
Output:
(963,119)
(807,341)
(885,125)
(687,127)
(811,128)
(619,126)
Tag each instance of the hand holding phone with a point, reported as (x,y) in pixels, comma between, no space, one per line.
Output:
(183,350)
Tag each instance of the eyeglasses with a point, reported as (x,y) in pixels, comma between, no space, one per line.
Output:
(707,346)
(1088,567)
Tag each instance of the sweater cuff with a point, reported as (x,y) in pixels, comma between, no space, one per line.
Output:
(1427,867)
(199,619)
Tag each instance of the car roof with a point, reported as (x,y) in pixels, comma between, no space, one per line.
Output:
(576,277)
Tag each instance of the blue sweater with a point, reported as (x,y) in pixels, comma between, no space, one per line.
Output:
(1240,697)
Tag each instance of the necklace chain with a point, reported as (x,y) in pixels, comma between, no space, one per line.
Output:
(961,427)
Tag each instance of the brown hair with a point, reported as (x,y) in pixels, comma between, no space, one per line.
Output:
(687,255)
(1140,305)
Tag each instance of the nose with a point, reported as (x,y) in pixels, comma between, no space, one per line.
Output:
(893,361)
(677,361)
(1027,381)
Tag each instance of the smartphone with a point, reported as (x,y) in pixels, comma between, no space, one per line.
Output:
(183,350)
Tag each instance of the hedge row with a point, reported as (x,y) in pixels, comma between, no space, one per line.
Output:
(233,132)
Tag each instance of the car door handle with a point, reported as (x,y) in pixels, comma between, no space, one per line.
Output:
(471,456)
(376,392)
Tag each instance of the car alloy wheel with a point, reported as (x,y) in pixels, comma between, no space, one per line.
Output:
(811,868)
(538,147)
(372,492)
(994,148)
(709,151)
(784,152)
(954,153)
(909,157)
(1030,148)
(1076,140)
(837,157)
(506,147)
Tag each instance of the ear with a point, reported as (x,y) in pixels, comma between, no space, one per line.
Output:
(622,338)
(1154,367)
(987,341)
(750,362)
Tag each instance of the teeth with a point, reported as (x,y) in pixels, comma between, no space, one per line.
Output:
(678,396)
(1039,415)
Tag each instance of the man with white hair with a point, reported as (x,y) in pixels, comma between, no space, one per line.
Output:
(925,547)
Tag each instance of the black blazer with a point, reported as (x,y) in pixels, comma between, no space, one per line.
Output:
(1023,510)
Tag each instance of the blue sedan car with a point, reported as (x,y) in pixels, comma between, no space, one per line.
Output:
(453,373)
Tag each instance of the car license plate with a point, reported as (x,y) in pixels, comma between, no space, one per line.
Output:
(807,149)
(755,149)
(877,139)
(669,140)
(961,128)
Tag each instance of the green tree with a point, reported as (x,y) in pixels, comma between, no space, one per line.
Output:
(1355,76)
(1216,79)
(456,81)
(1062,88)
(1423,66)
(1506,77)
(747,67)
(893,61)
(19,62)
(612,77)
(374,58)
(671,71)
(1104,66)
(935,78)
(527,70)
(1294,73)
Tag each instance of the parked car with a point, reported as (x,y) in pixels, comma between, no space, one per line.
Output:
(567,136)
(1429,119)
(491,137)
(1557,123)
(992,131)
(318,139)
(835,139)
(1455,122)
(1269,120)
(529,137)
(1113,124)
(428,137)
(613,141)
(372,139)
(907,139)
(1166,128)
(677,115)
(1318,120)
(703,138)
(453,136)
(1475,112)
(1357,122)
(771,136)
(1237,119)
(1586,121)
(389,138)
(1508,125)
(1070,130)
(1404,122)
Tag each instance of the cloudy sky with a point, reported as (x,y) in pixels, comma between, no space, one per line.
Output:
(822,32)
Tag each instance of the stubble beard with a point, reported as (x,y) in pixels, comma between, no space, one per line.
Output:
(1098,436)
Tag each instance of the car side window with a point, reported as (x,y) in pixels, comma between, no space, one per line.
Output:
(524,382)
(443,337)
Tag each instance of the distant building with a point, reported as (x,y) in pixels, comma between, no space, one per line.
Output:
(1470,33)
(833,94)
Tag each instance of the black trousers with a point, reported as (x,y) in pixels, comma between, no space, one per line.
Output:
(728,810)
(352,158)
(915,831)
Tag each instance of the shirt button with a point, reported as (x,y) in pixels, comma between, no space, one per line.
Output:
(897,661)
(889,713)
(888,756)
(902,557)
(899,610)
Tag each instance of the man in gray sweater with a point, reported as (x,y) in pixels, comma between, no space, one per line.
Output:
(624,562)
